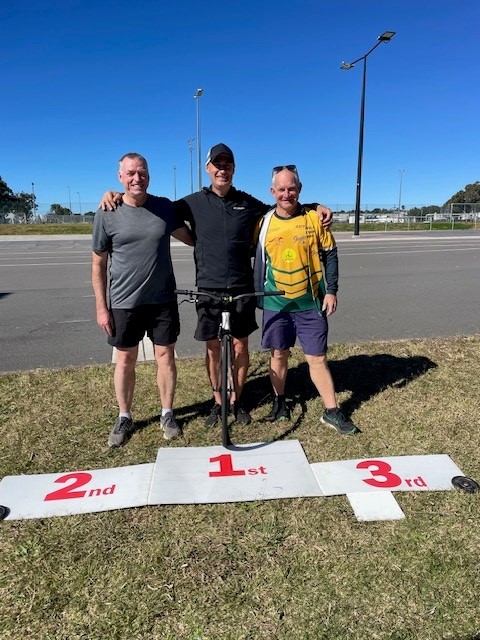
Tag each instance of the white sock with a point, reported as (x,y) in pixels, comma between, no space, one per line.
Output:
(125,414)
(165,411)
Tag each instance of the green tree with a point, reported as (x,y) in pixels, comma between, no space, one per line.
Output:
(58,210)
(21,205)
(7,198)
(471,193)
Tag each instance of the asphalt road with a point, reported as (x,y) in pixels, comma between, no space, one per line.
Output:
(392,286)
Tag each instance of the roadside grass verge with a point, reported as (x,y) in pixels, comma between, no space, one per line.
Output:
(290,569)
(86,228)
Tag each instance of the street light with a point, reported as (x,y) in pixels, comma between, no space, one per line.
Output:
(196,96)
(385,37)
(191,148)
(33,202)
(79,203)
(174,182)
(401,171)
(70,200)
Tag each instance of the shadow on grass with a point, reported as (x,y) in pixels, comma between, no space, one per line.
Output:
(364,376)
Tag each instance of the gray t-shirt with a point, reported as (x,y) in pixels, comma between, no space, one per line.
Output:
(138,242)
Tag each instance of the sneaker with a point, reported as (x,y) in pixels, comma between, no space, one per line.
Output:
(279,411)
(170,427)
(214,416)
(121,432)
(240,414)
(338,421)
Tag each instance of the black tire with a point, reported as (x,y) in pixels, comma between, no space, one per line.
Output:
(226,357)
(465,484)
(4,511)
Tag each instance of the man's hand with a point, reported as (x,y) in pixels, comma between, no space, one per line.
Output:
(110,200)
(325,214)
(105,321)
(329,303)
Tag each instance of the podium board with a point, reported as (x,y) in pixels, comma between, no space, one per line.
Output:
(258,471)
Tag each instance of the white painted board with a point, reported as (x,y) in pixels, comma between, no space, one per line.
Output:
(64,494)
(375,505)
(397,473)
(256,471)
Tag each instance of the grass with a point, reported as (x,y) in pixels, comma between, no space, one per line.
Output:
(289,569)
(85,228)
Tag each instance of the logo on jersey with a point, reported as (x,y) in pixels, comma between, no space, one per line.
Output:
(289,255)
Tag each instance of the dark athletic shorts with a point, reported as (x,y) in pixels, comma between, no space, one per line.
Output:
(209,316)
(160,322)
(281,329)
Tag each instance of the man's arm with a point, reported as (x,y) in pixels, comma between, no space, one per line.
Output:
(324,213)
(330,272)
(110,200)
(99,284)
(184,235)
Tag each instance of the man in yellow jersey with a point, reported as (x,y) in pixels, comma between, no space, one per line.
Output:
(297,255)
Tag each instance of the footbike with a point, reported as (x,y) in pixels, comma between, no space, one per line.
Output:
(226,379)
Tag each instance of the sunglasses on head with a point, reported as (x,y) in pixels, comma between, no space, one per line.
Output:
(290,167)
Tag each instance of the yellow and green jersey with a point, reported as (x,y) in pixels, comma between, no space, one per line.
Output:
(292,252)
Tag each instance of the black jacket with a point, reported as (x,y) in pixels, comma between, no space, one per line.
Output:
(223,230)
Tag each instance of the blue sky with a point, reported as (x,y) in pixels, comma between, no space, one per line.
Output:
(85,81)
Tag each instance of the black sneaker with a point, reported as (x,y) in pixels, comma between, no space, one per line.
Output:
(279,411)
(214,416)
(240,414)
(338,421)
(121,432)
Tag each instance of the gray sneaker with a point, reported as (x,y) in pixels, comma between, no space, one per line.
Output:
(121,432)
(338,421)
(170,427)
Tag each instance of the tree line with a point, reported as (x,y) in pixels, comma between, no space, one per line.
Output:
(22,206)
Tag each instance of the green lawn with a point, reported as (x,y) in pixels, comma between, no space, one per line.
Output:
(289,569)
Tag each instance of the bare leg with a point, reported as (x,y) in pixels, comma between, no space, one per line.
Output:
(124,377)
(212,362)
(279,369)
(166,373)
(241,361)
(322,379)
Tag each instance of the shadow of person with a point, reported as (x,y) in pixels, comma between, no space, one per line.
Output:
(364,376)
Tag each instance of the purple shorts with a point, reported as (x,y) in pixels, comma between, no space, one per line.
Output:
(281,329)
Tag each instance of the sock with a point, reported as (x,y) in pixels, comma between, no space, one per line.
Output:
(125,414)
(165,411)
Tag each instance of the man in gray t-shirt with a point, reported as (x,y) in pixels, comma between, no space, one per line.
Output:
(133,282)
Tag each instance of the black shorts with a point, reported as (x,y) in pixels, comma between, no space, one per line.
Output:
(209,316)
(160,322)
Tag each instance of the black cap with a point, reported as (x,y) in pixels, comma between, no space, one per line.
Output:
(219,150)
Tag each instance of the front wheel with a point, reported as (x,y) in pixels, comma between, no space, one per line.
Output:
(226,362)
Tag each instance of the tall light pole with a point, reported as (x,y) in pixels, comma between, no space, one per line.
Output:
(33,202)
(198,93)
(401,171)
(385,37)
(191,148)
(69,200)
(79,203)
(174,182)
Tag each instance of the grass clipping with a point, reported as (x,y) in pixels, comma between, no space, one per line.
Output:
(292,569)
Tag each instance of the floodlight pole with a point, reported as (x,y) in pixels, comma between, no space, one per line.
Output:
(190,148)
(401,171)
(385,37)
(198,93)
